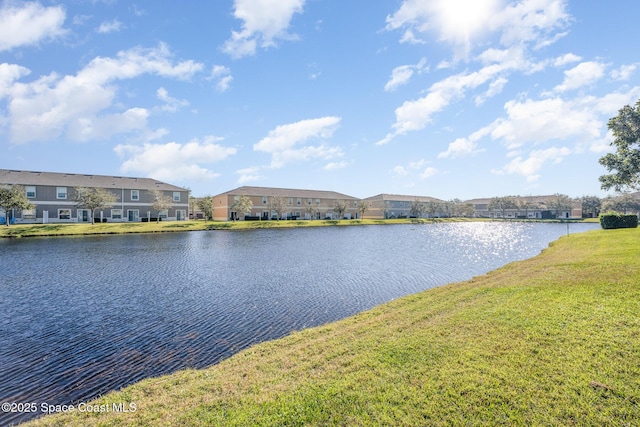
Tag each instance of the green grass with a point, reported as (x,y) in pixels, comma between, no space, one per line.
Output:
(553,341)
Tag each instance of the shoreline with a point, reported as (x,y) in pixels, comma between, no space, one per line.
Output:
(17,231)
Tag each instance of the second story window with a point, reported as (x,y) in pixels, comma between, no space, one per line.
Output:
(135,194)
(176,196)
(61,192)
(30,190)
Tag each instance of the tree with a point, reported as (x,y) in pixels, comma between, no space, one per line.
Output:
(13,198)
(160,202)
(560,203)
(623,204)
(363,207)
(502,204)
(466,210)
(417,209)
(243,205)
(340,208)
(205,204)
(433,208)
(625,162)
(93,199)
(278,204)
(311,211)
(591,206)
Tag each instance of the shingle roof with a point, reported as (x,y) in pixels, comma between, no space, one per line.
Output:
(288,192)
(18,177)
(402,198)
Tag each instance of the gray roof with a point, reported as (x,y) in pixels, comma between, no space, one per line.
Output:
(287,192)
(401,198)
(16,177)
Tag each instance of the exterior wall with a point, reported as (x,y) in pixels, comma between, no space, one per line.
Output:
(51,209)
(393,206)
(296,207)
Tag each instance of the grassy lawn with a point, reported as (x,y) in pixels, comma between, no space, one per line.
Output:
(554,341)
(47,230)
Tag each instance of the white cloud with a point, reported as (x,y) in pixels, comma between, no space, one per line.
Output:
(624,72)
(29,23)
(402,74)
(9,73)
(249,175)
(283,142)
(264,22)
(174,162)
(335,165)
(455,21)
(566,59)
(548,119)
(530,166)
(532,21)
(222,76)
(413,168)
(461,147)
(171,104)
(416,115)
(464,24)
(400,171)
(83,107)
(495,87)
(581,75)
(110,27)
(428,173)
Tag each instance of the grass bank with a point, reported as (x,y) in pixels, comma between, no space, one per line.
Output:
(51,230)
(553,340)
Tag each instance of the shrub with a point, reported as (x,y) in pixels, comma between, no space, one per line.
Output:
(610,221)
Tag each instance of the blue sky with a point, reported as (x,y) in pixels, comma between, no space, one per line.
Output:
(443,98)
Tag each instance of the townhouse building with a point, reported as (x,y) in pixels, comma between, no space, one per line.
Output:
(383,206)
(53,194)
(296,204)
(527,207)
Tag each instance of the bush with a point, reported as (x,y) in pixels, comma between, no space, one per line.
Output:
(611,221)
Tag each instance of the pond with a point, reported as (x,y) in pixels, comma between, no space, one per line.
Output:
(82,316)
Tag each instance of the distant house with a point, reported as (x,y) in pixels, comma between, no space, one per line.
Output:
(384,206)
(529,207)
(53,197)
(298,204)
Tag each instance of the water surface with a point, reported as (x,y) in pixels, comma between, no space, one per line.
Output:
(82,316)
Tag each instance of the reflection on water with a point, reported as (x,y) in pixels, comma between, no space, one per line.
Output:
(83,316)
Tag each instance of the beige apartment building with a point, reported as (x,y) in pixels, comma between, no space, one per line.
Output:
(297,204)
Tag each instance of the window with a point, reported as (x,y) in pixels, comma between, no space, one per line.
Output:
(29,214)
(264,200)
(309,201)
(30,190)
(355,203)
(290,200)
(135,194)
(64,213)
(318,202)
(164,213)
(116,213)
(61,192)
(176,196)
(299,201)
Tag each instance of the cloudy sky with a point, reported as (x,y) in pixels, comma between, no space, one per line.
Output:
(443,98)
